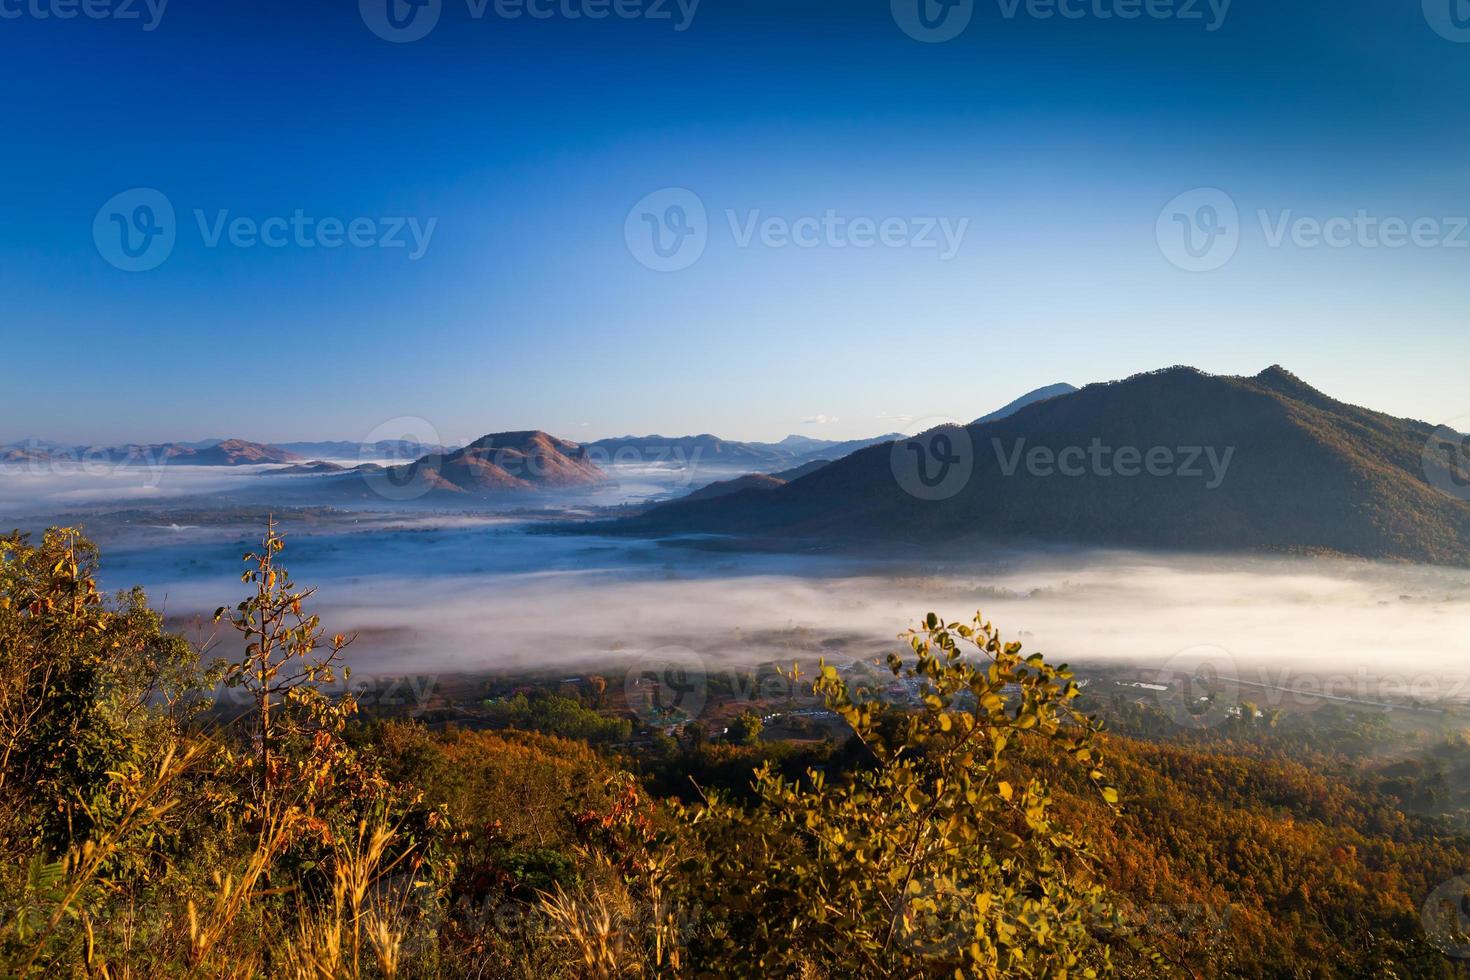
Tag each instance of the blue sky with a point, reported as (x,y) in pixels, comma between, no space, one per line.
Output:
(518,148)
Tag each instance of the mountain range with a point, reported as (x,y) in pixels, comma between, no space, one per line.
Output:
(212,452)
(692,450)
(221,452)
(1175,458)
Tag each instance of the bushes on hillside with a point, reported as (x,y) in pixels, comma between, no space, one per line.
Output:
(974,835)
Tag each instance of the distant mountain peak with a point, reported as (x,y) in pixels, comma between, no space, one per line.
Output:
(506,461)
(1263,462)
(1030,398)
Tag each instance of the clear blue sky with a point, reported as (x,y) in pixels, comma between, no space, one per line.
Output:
(528,141)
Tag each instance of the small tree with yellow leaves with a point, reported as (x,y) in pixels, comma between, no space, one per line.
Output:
(931,860)
(295,726)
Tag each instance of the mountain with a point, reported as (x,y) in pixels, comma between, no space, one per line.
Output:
(501,462)
(223,452)
(755,481)
(315,466)
(799,445)
(383,449)
(723,488)
(804,447)
(230,452)
(1030,398)
(208,452)
(694,450)
(25,454)
(690,450)
(836,450)
(1175,458)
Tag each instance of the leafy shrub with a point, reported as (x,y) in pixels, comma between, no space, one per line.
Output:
(556,715)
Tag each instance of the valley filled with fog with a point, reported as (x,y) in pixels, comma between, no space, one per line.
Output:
(503,589)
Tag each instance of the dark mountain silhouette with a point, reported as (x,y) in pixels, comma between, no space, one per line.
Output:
(755,481)
(499,463)
(1030,398)
(1303,473)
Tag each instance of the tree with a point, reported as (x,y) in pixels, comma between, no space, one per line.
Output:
(746,728)
(85,684)
(927,861)
(295,724)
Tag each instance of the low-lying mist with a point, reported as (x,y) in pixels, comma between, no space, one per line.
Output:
(490,596)
(62,486)
(473,591)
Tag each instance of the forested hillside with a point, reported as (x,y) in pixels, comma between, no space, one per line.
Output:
(171,811)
